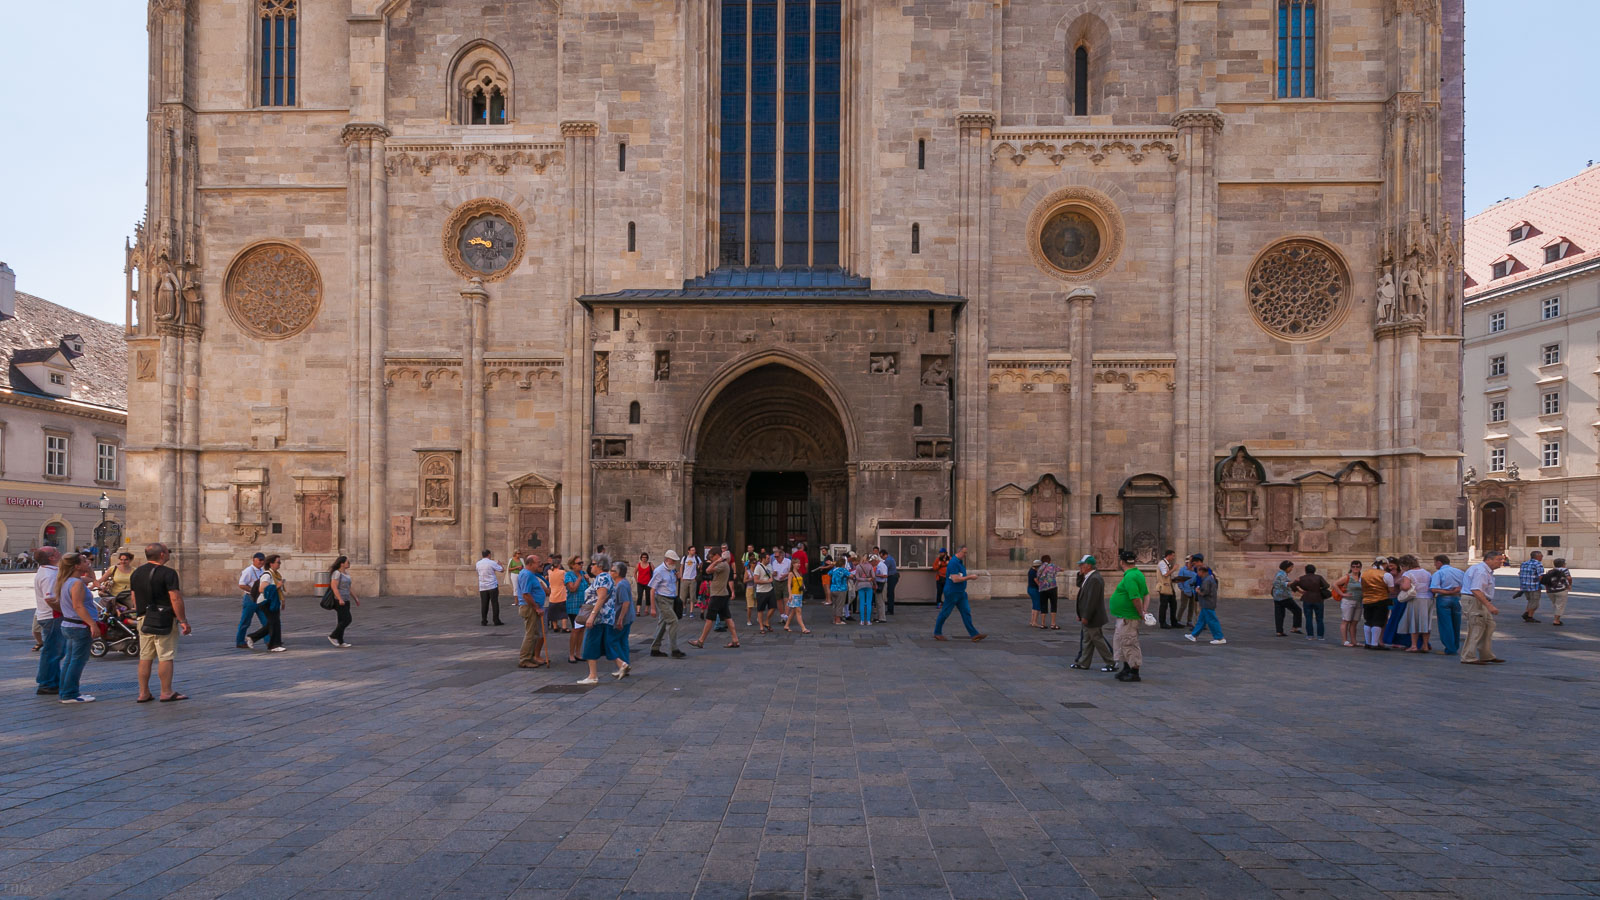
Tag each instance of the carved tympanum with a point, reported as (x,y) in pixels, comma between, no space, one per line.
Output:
(1298,290)
(273,291)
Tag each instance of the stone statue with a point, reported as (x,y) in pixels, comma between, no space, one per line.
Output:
(1386,298)
(1513,473)
(882,364)
(937,374)
(1413,303)
(602,373)
(191,301)
(167,296)
(1471,476)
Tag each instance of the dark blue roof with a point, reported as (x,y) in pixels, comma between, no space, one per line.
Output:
(829,285)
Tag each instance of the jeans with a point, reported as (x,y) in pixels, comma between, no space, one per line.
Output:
(345,618)
(1449,609)
(1279,607)
(247,610)
(50,655)
(888,605)
(1167,611)
(955,603)
(1208,619)
(1313,618)
(75,652)
(864,605)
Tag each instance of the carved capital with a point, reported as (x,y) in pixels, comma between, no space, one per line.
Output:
(975,120)
(579,129)
(363,131)
(474,292)
(1198,118)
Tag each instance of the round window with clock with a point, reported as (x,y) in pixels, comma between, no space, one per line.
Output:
(483,239)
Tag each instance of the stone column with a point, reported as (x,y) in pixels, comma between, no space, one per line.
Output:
(1080,418)
(969,421)
(366,215)
(1193,259)
(475,313)
(577,527)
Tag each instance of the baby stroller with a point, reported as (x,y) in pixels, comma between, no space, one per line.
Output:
(121,629)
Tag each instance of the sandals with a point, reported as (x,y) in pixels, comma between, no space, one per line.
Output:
(804,631)
(174,698)
(1055,627)
(145,699)
(732,646)
(698,645)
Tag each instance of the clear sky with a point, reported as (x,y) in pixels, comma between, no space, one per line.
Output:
(73,158)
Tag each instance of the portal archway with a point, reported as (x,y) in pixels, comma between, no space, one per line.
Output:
(1492,533)
(770,462)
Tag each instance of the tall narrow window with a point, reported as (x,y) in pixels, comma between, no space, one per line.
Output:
(633,413)
(916,238)
(627,510)
(279,39)
(916,415)
(106,461)
(922,153)
(55,455)
(1080,81)
(1297,48)
(486,101)
(916,508)
(622,157)
(780,133)
(632,235)
(616,319)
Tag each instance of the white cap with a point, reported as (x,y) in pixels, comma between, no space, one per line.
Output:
(672,556)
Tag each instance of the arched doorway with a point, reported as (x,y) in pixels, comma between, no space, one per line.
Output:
(1492,527)
(769,466)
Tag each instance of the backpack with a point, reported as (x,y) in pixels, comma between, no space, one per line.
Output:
(1557,581)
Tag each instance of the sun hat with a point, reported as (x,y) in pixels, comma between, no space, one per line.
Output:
(672,556)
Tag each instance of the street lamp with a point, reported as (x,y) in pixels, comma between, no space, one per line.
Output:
(105,505)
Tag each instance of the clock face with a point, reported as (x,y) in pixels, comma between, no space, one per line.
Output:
(1071,241)
(488,244)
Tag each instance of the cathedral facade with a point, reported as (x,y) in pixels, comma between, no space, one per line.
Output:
(423,277)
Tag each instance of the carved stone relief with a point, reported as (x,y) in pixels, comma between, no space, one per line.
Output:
(1298,290)
(602,372)
(318,499)
(663,370)
(1010,512)
(399,532)
(1280,515)
(936,371)
(144,365)
(883,364)
(1048,506)
(273,291)
(437,500)
(1238,476)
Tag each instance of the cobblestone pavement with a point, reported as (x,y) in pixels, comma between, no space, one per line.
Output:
(857,762)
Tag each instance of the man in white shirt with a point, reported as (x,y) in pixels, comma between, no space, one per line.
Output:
(489,587)
(47,613)
(880,588)
(248,608)
(664,594)
(1478,602)
(782,565)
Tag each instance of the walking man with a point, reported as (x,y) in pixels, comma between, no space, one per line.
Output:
(489,587)
(689,583)
(1185,581)
(718,571)
(1529,584)
(533,593)
(1205,596)
(252,595)
(47,613)
(1092,616)
(1446,587)
(761,574)
(1127,607)
(156,599)
(880,584)
(1480,610)
(955,597)
(664,605)
(893,566)
(1557,582)
(782,565)
(1167,608)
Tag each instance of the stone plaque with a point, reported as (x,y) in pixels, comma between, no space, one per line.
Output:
(144,365)
(1314,542)
(399,532)
(1280,514)
(316,523)
(1104,530)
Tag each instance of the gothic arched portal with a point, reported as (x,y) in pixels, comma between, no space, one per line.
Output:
(770,463)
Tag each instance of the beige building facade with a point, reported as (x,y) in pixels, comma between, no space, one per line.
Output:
(420,277)
(1530,397)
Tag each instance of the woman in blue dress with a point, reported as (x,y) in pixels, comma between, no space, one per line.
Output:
(1033,594)
(605,629)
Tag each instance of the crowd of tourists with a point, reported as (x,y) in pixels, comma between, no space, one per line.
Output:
(1395,603)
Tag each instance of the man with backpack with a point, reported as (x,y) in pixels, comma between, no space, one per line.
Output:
(249,583)
(1556,583)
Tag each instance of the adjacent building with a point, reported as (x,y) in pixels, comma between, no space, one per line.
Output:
(420,277)
(63,419)
(1531,390)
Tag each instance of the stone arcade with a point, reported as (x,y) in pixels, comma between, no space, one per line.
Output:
(419,277)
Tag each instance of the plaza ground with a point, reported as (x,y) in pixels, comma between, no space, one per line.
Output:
(854,763)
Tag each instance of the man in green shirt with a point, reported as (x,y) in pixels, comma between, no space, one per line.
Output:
(1127,607)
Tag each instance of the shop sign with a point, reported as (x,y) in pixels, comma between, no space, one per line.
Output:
(95,504)
(25,501)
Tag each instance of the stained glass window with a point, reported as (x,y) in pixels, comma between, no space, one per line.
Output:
(1297,48)
(279,40)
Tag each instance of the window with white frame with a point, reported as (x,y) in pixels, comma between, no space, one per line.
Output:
(1549,403)
(57,378)
(1551,307)
(1497,410)
(1550,454)
(1497,459)
(1550,511)
(1551,354)
(106,461)
(1497,322)
(55,455)
(1497,366)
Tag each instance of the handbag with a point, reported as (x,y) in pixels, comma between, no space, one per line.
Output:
(1407,595)
(328,600)
(797,585)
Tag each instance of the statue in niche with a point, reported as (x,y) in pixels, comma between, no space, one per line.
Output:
(882,364)
(602,373)
(1413,301)
(1386,298)
(663,365)
(936,373)
(167,296)
(191,301)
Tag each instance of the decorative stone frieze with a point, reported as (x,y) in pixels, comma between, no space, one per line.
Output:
(273,291)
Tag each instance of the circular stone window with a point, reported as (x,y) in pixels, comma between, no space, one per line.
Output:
(1298,290)
(273,291)
(1075,233)
(484,239)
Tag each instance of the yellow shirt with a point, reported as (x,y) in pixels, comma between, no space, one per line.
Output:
(119,580)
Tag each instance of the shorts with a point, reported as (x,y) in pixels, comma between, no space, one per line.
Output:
(1376,615)
(1349,610)
(1047,600)
(717,608)
(765,601)
(836,598)
(796,601)
(159,647)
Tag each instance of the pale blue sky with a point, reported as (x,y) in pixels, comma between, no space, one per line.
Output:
(73,153)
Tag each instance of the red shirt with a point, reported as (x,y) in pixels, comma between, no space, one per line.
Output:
(802,563)
(642,574)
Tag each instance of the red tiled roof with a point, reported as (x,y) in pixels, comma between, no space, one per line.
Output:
(100,375)
(1569,209)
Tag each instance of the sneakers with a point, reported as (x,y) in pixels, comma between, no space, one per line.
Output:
(342,644)
(679,654)
(81,698)
(1076,666)
(278,649)
(332,641)
(1190,638)
(1220,641)
(590,681)
(656,652)
(249,643)
(1108,668)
